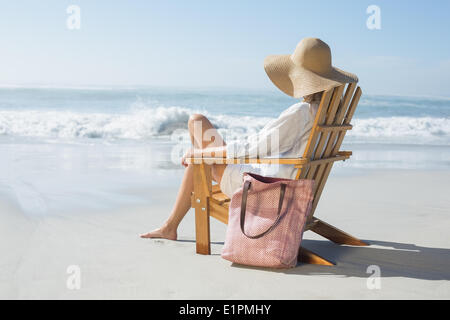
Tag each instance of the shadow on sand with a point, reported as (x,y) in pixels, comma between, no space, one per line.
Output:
(394,259)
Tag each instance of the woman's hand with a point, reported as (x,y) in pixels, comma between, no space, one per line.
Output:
(188,154)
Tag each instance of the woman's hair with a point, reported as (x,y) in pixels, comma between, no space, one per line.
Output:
(315,97)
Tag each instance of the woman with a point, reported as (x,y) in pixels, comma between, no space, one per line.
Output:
(304,74)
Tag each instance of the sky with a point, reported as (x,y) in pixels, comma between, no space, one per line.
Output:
(210,43)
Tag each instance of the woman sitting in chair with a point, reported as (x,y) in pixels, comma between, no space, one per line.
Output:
(304,74)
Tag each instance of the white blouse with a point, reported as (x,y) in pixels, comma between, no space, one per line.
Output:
(284,137)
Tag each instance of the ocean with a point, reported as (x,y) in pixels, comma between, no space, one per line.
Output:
(63,149)
(142,114)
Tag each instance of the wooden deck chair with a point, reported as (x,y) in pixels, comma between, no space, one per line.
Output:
(331,123)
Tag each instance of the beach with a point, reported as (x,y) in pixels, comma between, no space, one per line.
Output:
(102,103)
(83,172)
(403,214)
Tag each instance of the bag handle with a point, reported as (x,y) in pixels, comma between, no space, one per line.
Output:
(247,185)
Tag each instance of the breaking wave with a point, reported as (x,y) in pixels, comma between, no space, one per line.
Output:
(163,121)
(138,125)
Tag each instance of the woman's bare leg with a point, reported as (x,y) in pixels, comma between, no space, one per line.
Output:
(198,126)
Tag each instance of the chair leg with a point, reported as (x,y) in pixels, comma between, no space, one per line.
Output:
(334,234)
(307,256)
(200,202)
(202,233)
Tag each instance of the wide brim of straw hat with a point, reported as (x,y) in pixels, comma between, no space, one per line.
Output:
(297,81)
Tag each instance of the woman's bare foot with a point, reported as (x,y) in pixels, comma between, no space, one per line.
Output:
(163,232)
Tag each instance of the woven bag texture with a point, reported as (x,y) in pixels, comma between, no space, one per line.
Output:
(278,248)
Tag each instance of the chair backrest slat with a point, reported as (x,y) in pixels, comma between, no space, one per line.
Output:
(335,109)
(315,133)
(319,120)
(330,148)
(345,103)
(324,136)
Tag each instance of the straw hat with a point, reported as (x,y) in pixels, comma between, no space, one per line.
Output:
(308,70)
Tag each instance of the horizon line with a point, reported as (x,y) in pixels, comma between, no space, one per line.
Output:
(181,87)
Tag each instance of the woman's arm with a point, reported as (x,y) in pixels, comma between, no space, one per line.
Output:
(275,138)
(210,152)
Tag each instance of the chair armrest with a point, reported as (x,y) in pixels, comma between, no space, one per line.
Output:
(212,160)
(298,162)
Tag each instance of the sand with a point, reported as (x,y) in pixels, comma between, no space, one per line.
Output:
(403,214)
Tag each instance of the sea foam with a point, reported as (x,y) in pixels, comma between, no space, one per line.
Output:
(138,124)
(149,123)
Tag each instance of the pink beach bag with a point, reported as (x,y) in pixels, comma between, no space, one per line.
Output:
(266,221)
